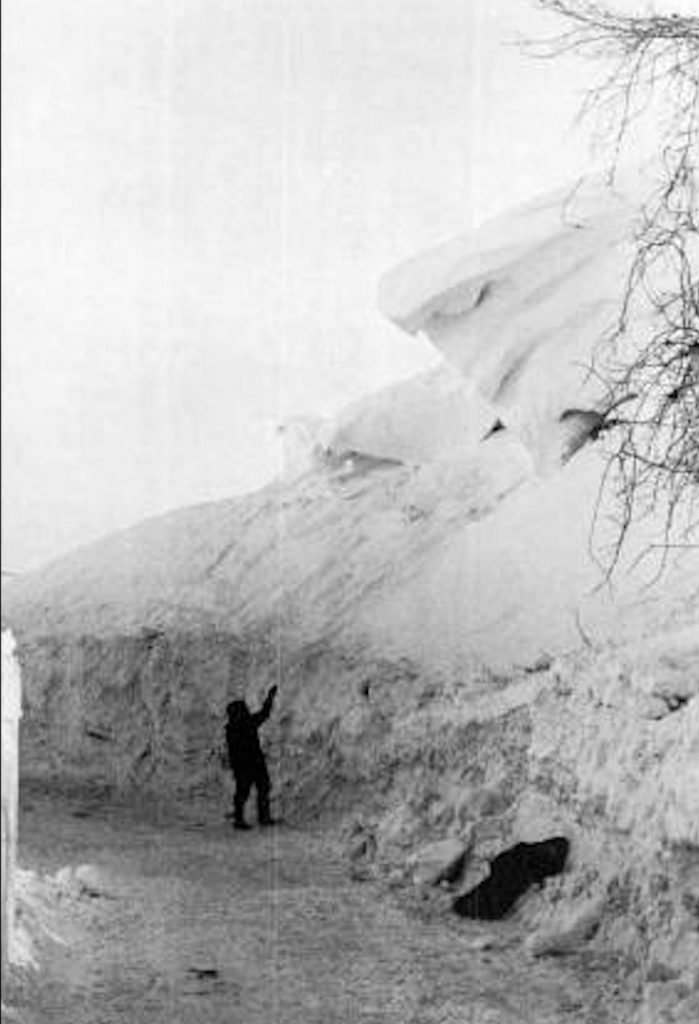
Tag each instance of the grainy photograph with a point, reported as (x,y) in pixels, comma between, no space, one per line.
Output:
(350,547)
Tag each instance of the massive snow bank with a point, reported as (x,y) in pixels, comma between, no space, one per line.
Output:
(414,530)
(423,596)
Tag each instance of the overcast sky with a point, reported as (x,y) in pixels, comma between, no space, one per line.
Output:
(199,199)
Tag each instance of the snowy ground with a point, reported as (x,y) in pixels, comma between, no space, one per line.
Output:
(180,919)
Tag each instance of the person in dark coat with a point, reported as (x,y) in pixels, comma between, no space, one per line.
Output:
(246,759)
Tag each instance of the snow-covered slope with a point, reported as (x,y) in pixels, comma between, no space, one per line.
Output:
(412,520)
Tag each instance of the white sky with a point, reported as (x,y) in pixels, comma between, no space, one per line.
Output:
(199,199)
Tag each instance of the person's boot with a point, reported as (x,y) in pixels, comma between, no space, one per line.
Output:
(263,815)
(239,821)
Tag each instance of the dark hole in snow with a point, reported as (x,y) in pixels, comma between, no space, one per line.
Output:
(588,422)
(495,429)
(511,874)
(675,701)
(483,294)
(542,664)
(203,972)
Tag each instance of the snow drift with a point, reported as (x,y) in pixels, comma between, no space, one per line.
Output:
(520,307)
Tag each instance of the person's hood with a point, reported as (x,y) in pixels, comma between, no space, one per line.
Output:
(238,711)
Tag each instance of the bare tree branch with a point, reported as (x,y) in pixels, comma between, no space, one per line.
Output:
(650,423)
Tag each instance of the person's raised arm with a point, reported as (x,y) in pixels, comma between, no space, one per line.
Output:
(266,710)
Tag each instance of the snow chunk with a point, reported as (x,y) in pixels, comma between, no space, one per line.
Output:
(427,418)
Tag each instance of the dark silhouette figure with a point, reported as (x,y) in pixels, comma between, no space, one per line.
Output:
(511,874)
(246,759)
